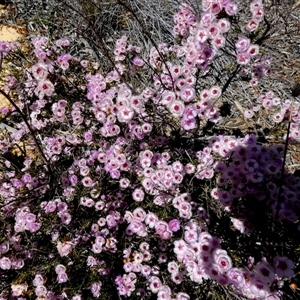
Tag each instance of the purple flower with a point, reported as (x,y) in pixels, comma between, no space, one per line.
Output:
(96,288)
(5,263)
(64,248)
(137,61)
(62,277)
(39,71)
(87,182)
(38,280)
(174,225)
(18,289)
(4,247)
(45,87)
(284,267)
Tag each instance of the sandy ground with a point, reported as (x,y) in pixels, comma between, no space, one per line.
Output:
(7,34)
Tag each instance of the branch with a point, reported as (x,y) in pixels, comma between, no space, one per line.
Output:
(29,128)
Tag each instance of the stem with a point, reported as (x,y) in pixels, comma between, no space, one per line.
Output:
(146,31)
(29,128)
(279,198)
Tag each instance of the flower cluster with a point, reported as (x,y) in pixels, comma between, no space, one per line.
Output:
(112,202)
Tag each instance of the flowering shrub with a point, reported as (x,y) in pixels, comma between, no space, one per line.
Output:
(103,194)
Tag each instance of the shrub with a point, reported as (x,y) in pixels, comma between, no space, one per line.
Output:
(121,183)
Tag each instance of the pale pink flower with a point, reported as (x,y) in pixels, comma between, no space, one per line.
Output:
(44,88)
(236,277)
(138,195)
(64,249)
(187,93)
(5,263)
(60,269)
(259,289)
(265,272)
(18,289)
(252,25)
(239,224)
(222,259)
(284,267)
(40,290)
(39,71)
(243,58)
(182,296)
(62,277)
(162,228)
(173,267)
(139,214)
(38,280)
(180,247)
(96,288)
(137,61)
(151,220)
(155,284)
(4,247)
(174,225)
(177,108)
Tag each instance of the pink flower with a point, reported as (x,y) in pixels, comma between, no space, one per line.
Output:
(88,202)
(60,269)
(222,260)
(240,225)
(224,25)
(177,108)
(259,289)
(180,247)
(18,289)
(185,210)
(137,61)
(213,30)
(40,290)
(162,229)
(136,226)
(44,88)
(173,267)
(4,47)
(252,25)
(39,71)
(190,236)
(187,93)
(215,92)
(87,182)
(4,247)
(151,220)
(264,272)
(174,225)
(253,50)
(242,44)
(5,263)
(125,114)
(139,214)
(218,41)
(155,284)
(283,266)
(182,296)
(64,249)
(33,227)
(236,277)
(138,195)
(62,277)
(114,174)
(38,280)
(188,124)
(124,183)
(231,8)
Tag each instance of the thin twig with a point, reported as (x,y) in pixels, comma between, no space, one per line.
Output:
(29,128)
